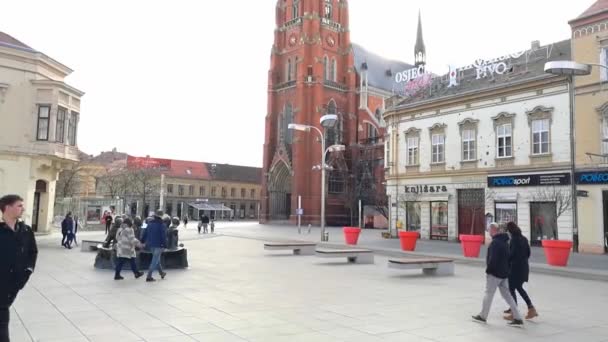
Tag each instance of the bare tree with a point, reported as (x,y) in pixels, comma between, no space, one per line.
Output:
(69,181)
(561,196)
(483,195)
(114,183)
(145,183)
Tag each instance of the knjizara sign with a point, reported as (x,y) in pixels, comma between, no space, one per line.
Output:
(419,189)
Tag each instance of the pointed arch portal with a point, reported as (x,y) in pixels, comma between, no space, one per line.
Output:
(279,189)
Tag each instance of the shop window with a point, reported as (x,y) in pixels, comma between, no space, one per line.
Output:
(505,213)
(439,220)
(543,220)
(169,209)
(471,206)
(412,216)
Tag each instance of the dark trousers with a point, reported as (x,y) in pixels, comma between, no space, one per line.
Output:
(121,262)
(515,285)
(108,225)
(71,238)
(4,319)
(64,238)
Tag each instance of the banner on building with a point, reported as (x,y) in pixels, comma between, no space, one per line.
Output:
(148,163)
(529,180)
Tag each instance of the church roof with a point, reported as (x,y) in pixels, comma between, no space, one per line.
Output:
(381,71)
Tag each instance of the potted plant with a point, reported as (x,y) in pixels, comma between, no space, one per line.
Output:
(556,251)
(408,240)
(351,235)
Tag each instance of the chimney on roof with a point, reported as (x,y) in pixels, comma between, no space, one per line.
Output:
(535,44)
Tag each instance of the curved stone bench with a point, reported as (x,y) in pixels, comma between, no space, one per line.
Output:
(170,259)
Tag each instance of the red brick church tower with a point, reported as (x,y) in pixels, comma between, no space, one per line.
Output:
(315,70)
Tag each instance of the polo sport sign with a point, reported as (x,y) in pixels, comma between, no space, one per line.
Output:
(529,180)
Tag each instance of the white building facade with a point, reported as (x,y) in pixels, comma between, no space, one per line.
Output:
(39,116)
(493,147)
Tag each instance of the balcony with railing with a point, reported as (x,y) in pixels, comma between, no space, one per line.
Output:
(331,24)
(285,85)
(292,23)
(335,85)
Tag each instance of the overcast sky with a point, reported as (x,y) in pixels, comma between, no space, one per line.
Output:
(187,79)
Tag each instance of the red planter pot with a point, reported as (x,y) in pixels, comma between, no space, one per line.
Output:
(557,252)
(408,240)
(471,245)
(351,235)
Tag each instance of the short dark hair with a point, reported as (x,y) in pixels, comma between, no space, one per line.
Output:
(513,229)
(128,222)
(7,200)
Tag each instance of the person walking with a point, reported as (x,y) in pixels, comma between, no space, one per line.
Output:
(137,224)
(497,272)
(205,221)
(125,249)
(519,253)
(212,226)
(18,254)
(155,239)
(109,220)
(67,227)
(76,227)
(186,222)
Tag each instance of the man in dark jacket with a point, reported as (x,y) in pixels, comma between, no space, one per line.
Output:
(155,239)
(108,222)
(67,228)
(497,272)
(18,254)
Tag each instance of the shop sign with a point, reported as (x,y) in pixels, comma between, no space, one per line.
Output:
(529,180)
(597,177)
(420,189)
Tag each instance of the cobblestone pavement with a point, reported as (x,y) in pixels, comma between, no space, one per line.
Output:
(236,291)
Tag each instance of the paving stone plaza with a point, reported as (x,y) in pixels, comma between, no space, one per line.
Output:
(236,291)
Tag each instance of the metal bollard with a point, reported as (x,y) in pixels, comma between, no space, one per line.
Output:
(326,236)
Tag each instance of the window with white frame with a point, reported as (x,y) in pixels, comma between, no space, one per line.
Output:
(540,136)
(60,125)
(334,70)
(295,9)
(504,140)
(169,188)
(438,148)
(412,150)
(469,151)
(43,122)
(288,71)
(604,61)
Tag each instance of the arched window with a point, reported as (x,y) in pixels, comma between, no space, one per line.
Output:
(378,114)
(372,132)
(334,70)
(288,71)
(295,9)
(286,121)
(328,13)
(336,182)
(326,67)
(333,135)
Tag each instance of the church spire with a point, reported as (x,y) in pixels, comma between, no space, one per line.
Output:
(420,50)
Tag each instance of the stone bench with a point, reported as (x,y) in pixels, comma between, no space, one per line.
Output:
(170,259)
(353,255)
(429,266)
(298,248)
(89,245)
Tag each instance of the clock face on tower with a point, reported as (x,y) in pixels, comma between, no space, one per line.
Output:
(292,40)
(330,40)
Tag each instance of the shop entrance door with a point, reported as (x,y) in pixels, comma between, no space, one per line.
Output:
(605,207)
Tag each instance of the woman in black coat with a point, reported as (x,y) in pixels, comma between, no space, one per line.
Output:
(519,253)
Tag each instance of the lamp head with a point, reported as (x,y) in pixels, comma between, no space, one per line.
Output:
(329,120)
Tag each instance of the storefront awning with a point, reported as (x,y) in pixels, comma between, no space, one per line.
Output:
(209,206)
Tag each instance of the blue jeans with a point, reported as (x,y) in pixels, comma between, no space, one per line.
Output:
(155,263)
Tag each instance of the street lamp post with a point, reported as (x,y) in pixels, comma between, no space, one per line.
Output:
(328,120)
(571,69)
